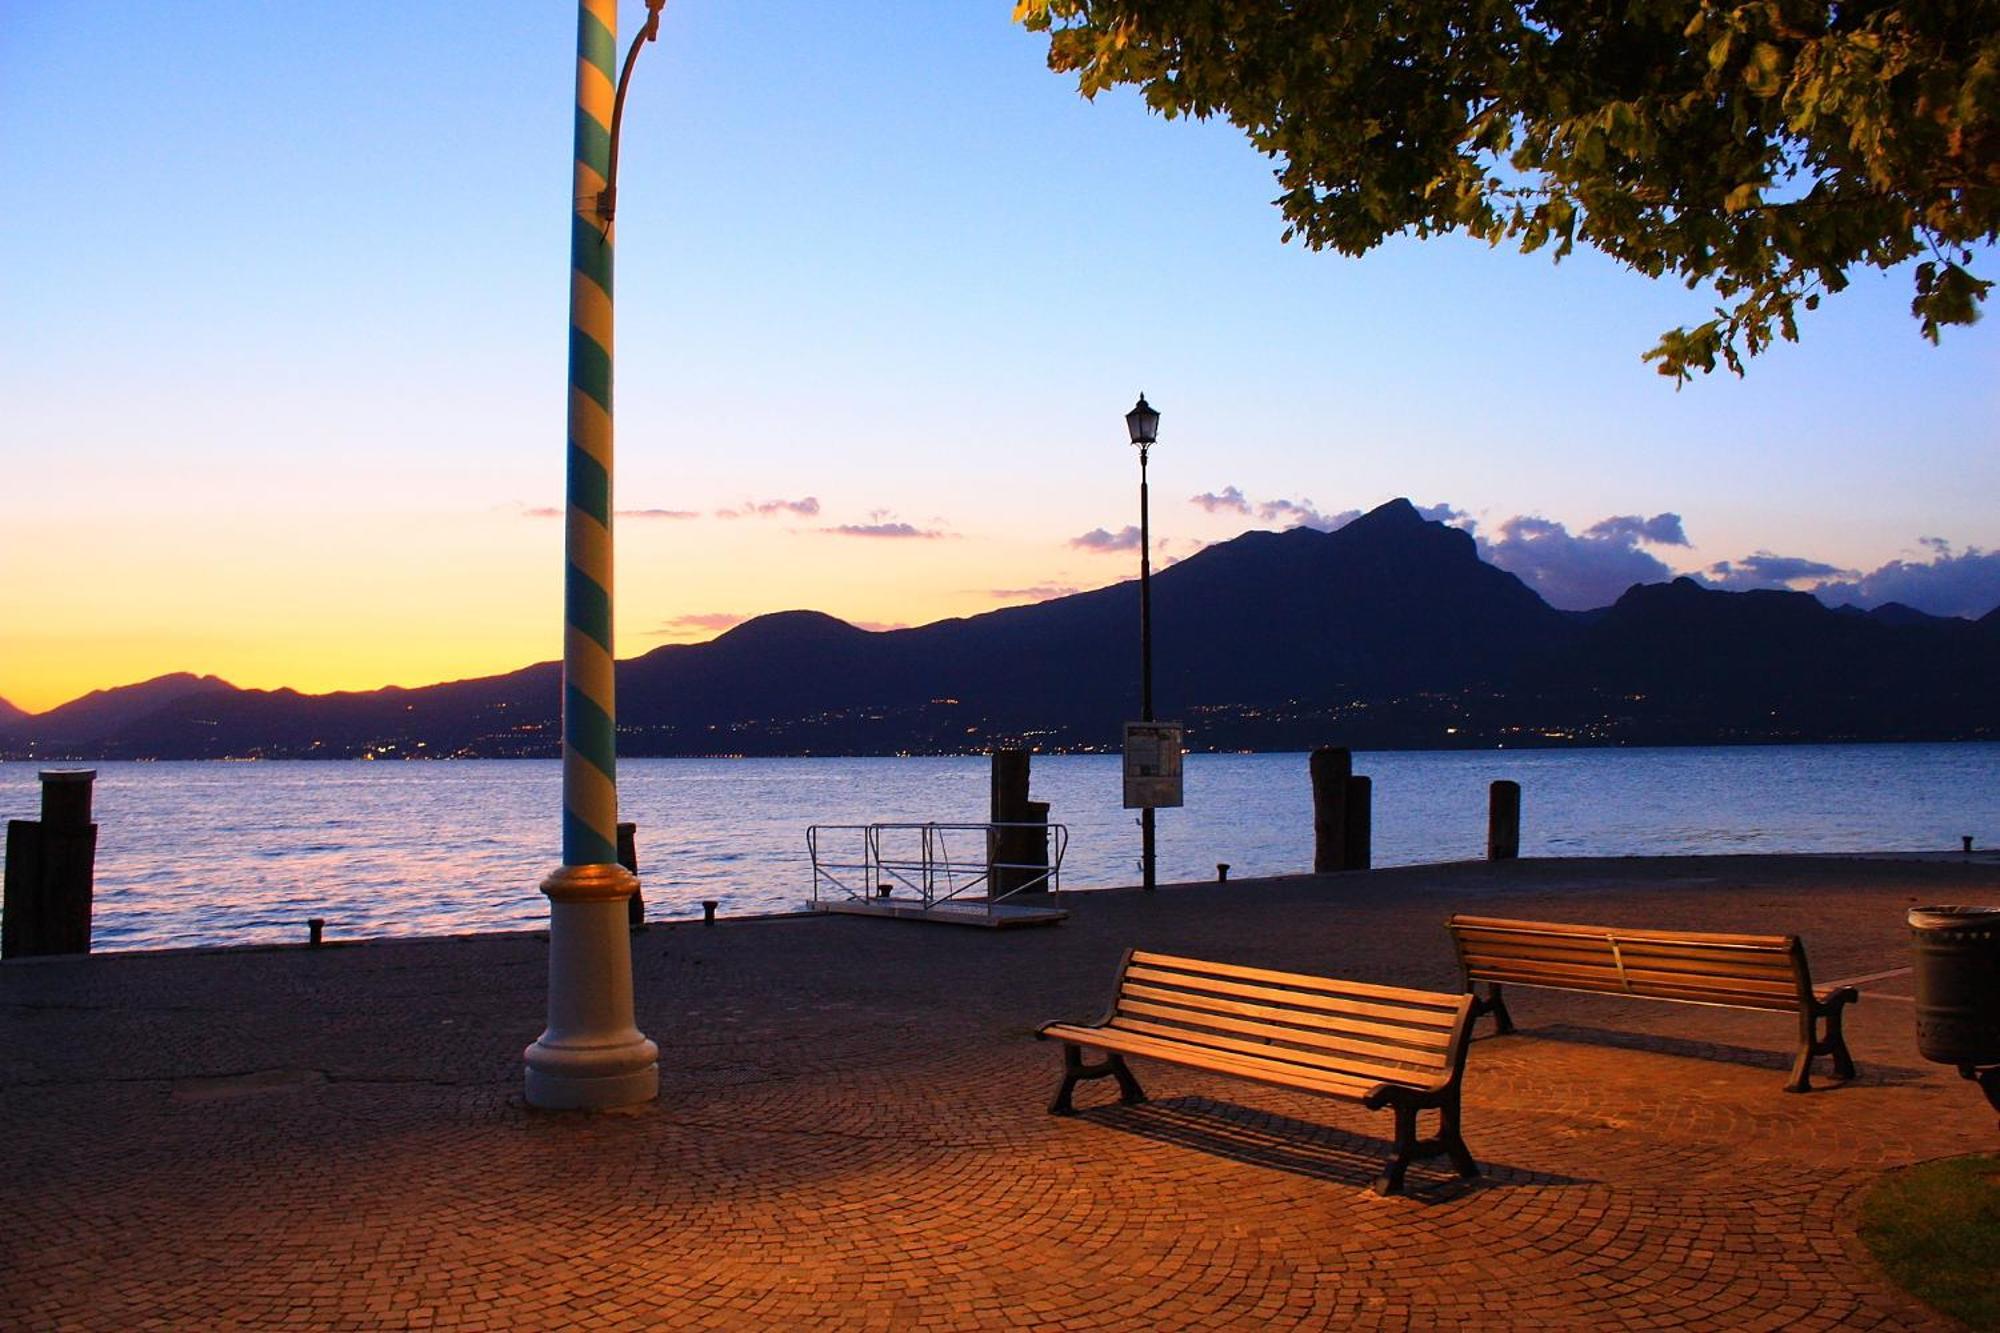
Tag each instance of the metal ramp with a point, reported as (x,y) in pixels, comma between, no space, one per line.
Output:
(932,872)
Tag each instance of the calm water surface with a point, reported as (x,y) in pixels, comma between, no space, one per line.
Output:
(224,853)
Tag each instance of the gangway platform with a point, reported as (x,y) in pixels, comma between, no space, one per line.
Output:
(943,873)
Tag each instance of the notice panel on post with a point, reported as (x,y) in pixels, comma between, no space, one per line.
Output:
(1152,764)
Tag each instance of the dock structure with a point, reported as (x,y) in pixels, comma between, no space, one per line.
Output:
(951,874)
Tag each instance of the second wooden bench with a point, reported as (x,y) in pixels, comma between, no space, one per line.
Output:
(1733,971)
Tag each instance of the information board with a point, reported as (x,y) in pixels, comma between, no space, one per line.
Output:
(1152,764)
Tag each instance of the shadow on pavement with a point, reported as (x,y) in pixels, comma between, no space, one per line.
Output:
(1301,1147)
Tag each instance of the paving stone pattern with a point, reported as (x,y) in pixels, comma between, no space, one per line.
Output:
(852,1131)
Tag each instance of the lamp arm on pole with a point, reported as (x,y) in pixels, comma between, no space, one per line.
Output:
(607,198)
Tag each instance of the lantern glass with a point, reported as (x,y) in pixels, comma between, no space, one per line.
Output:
(1143,423)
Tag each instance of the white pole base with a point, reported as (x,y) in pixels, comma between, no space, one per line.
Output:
(592,1057)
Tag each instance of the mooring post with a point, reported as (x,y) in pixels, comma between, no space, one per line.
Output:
(1014,856)
(50,871)
(1331,766)
(628,856)
(1503,821)
(1222,872)
(1358,852)
(1965,843)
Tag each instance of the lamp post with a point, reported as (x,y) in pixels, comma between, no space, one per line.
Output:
(1143,424)
(592,1055)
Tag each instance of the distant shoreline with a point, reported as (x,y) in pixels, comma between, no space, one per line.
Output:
(1541,745)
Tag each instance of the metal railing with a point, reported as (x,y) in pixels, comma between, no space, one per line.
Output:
(931,863)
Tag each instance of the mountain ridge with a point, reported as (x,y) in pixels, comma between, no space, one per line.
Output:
(1390,631)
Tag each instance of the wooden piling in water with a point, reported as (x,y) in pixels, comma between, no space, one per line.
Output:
(1015,856)
(1503,821)
(1331,766)
(628,856)
(1357,842)
(50,871)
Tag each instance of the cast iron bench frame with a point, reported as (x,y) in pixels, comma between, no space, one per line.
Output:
(1376,1045)
(1687,967)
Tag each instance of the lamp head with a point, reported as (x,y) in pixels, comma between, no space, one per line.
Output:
(1143,423)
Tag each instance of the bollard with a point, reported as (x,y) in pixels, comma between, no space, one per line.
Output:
(50,866)
(315,927)
(1222,872)
(1965,843)
(1331,766)
(628,856)
(1358,853)
(1015,857)
(708,906)
(1503,821)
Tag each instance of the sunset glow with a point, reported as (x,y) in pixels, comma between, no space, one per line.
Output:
(283,396)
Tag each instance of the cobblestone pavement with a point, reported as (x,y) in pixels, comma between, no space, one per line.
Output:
(851,1129)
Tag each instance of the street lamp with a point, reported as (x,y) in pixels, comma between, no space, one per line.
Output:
(591,1056)
(1143,424)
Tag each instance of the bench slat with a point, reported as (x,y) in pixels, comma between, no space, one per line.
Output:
(1558,929)
(1425,1038)
(1430,1017)
(1316,1061)
(1611,986)
(1666,958)
(1261,1071)
(1431,1059)
(1301,980)
(1638,977)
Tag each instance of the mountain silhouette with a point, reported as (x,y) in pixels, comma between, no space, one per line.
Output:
(1389,632)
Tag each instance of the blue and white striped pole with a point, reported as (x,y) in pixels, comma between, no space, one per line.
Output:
(592,1054)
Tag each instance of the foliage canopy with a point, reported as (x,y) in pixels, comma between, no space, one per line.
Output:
(1765,148)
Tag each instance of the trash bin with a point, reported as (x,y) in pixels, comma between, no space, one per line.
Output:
(1957,953)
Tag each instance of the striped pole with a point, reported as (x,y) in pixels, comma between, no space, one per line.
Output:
(590,788)
(592,1055)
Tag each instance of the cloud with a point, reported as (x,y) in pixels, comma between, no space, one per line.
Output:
(1450,514)
(1301,513)
(1580,572)
(884,529)
(1963,584)
(1766,570)
(549,511)
(1102,541)
(1041,592)
(805,508)
(1229,500)
(715,621)
(1659,530)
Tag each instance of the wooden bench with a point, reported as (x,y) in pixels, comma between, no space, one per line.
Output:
(1733,971)
(1376,1045)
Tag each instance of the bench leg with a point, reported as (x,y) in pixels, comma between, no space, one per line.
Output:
(1129,1091)
(1391,1181)
(1409,1148)
(1075,1071)
(1823,1015)
(1836,1040)
(1453,1141)
(1492,1003)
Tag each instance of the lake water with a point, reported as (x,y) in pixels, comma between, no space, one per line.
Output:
(231,853)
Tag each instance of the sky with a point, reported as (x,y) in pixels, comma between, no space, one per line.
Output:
(283,318)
